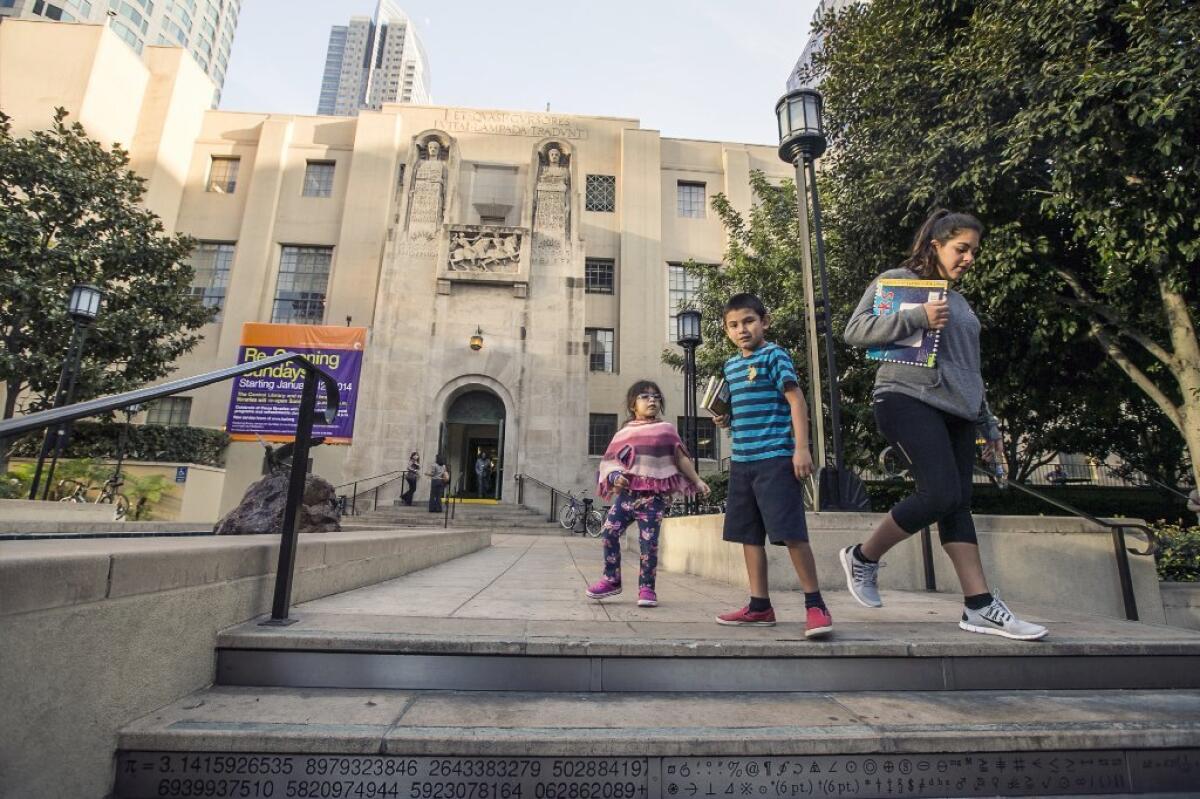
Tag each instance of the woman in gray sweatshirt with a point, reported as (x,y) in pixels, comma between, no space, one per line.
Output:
(932,415)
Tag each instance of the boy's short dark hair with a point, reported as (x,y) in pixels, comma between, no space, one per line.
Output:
(744,302)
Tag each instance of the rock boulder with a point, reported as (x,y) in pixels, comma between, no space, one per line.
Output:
(261,509)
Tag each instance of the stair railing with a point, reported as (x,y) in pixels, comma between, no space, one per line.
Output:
(352,497)
(1117,529)
(284,573)
(452,498)
(555,493)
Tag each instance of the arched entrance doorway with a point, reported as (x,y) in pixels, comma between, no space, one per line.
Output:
(474,426)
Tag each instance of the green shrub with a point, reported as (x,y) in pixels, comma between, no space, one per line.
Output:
(146,442)
(719,483)
(1178,556)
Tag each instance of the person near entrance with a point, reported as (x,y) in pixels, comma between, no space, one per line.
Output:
(482,473)
(933,415)
(769,422)
(411,474)
(439,478)
(645,463)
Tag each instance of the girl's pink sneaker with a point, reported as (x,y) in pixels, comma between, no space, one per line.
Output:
(647,598)
(603,589)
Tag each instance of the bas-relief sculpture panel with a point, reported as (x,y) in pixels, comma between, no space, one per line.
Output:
(474,249)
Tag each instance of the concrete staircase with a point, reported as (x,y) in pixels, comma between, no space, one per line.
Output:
(490,678)
(500,517)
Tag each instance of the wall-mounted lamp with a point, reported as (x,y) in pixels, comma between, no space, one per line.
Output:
(477,340)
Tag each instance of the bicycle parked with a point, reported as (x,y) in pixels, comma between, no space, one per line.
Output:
(581,510)
(109,494)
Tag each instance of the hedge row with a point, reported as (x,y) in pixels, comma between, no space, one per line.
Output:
(146,442)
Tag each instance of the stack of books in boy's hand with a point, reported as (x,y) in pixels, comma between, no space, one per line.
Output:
(716,397)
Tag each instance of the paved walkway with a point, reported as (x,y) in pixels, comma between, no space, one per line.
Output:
(539,578)
(529,589)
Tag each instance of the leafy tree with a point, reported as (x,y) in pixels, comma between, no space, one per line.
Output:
(1070,128)
(70,213)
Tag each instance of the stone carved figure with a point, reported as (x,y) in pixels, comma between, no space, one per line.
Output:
(426,204)
(475,251)
(551,221)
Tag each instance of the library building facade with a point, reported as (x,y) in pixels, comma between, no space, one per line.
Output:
(515,271)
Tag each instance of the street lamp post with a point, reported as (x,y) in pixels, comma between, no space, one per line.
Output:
(83,306)
(801,143)
(689,338)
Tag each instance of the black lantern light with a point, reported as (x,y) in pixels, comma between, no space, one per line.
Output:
(801,132)
(83,306)
(801,143)
(689,328)
(84,303)
(688,335)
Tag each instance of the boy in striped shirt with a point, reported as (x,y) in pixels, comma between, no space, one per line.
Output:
(769,422)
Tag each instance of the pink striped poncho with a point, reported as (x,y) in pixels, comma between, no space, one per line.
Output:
(645,453)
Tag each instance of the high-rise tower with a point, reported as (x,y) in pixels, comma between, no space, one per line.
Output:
(372,61)
(204,28)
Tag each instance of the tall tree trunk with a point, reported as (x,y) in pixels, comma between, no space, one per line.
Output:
(11,391)
(1186,372)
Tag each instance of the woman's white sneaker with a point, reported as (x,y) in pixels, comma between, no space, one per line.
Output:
(997,619)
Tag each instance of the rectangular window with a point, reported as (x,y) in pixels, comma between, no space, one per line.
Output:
(601,428)
(496,221)
(601,193)
(211,261)
(691,199)
(600,349)
(169,411)
(318,179)
(598,275)
(706,436)
(682,290)
(303,280)
(223,174)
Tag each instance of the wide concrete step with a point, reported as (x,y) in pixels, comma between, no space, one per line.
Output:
(656,746)
(346,650)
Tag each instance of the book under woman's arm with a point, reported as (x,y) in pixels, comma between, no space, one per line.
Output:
(865,329)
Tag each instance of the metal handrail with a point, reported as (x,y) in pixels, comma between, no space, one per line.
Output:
(358,480)
(355,493)
(1117,529)
(304,424)
(555,493)
(453,496)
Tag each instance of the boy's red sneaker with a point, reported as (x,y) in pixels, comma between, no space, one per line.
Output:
(748,618)
(818,623)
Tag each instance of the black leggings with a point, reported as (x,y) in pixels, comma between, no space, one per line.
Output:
(941,449)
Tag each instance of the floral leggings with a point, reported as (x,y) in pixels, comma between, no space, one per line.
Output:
(647,510)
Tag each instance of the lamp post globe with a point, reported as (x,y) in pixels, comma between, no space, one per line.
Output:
(83,305)
(801,131)
(689,328)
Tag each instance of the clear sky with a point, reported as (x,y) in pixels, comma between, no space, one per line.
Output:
(699,69)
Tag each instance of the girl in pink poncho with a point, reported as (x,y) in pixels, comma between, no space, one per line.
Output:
(644,465)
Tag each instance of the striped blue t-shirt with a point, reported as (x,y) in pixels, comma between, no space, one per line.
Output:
(762,418)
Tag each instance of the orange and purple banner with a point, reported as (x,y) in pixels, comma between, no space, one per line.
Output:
(266,403)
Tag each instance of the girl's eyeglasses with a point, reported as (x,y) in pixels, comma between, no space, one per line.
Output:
(650,397)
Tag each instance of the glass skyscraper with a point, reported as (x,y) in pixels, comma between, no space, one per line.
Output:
(204,28)
(372,61)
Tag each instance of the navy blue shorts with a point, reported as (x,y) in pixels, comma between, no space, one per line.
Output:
(765,500)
